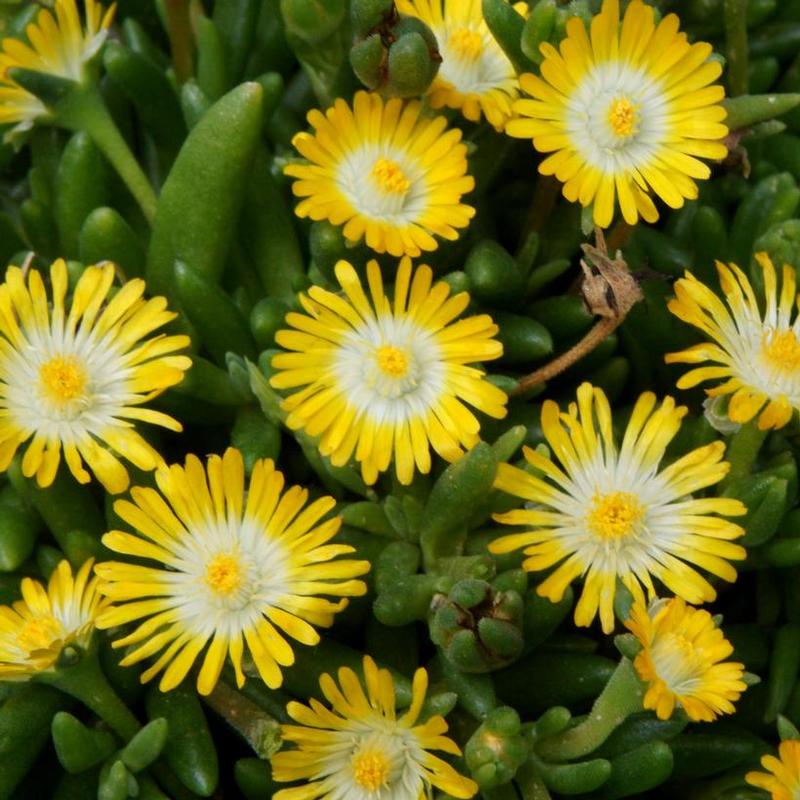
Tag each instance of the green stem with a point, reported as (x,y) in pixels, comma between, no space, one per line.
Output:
(621,697)
(86,683)
(259,729)
(743,450)
(736,45)
(86,111)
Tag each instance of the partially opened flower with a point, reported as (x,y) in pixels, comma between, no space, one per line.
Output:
(782,778)
(233,565)
(755,354)
(74,374)
(360,750)
(607,512)
(475,75)
(59,44)
(624,111)
(682,660)
(35,629)
(387,380)
(387,173)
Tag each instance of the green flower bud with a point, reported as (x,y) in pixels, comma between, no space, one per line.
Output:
(367,60)
(367,15)
(497,749)
(478,627)
(411,66)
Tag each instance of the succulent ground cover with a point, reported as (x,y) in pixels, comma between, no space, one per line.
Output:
(398,399)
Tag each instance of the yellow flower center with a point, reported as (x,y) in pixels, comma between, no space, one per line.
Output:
(781,350)
(622,117)
(393,361)
(39,634)
(466,43)
(223,574)
(371,770)
(62,379)
(615,515)
(389,178)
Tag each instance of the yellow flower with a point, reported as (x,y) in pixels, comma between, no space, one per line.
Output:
(606,513)
(757,354)
(475,75)
(683,661)
(387,173)
(232,565)
(34,630)
(59,45)
(387,380)
(782,780)
(73,375)
(359,749)
(624,111)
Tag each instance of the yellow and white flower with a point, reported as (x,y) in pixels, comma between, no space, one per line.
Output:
(59,44)
(756,354)
(782,778)
(360,750)
(387,380)
(606,512)
(683,661)
(387,173)
(35,629)
(233,565)
(475,75)
(624,110)
(73,375)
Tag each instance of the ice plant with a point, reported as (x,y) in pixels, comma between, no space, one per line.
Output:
(59,44)
(682,660)
(386,379)
(475,75)
(35,629)
(387,173)
(232,565)
(782,778)
(624,111)
(74,374)
(755,353)
(607,512)
(359,749)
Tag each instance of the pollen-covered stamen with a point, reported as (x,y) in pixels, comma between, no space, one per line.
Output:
(392,360)
(39,634)
(388,177)
(622,117)
(371,769)
(62,379)
(224,574)
(466,44)
(781,349)
(615,516)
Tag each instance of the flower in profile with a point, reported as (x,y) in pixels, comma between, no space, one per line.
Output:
(757,355)
(683,661)
(782,778)
(358,748)
(475,75)
(35,629)
(606,512)
(386,379)
(386,172)
(73,375)
(232,565)
(59,44)
(623,111)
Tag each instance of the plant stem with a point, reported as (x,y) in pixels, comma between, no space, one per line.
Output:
(743,450)
(180,38)
(621,697)
(736,45)
(86,111)
(601,330)
(86,683)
